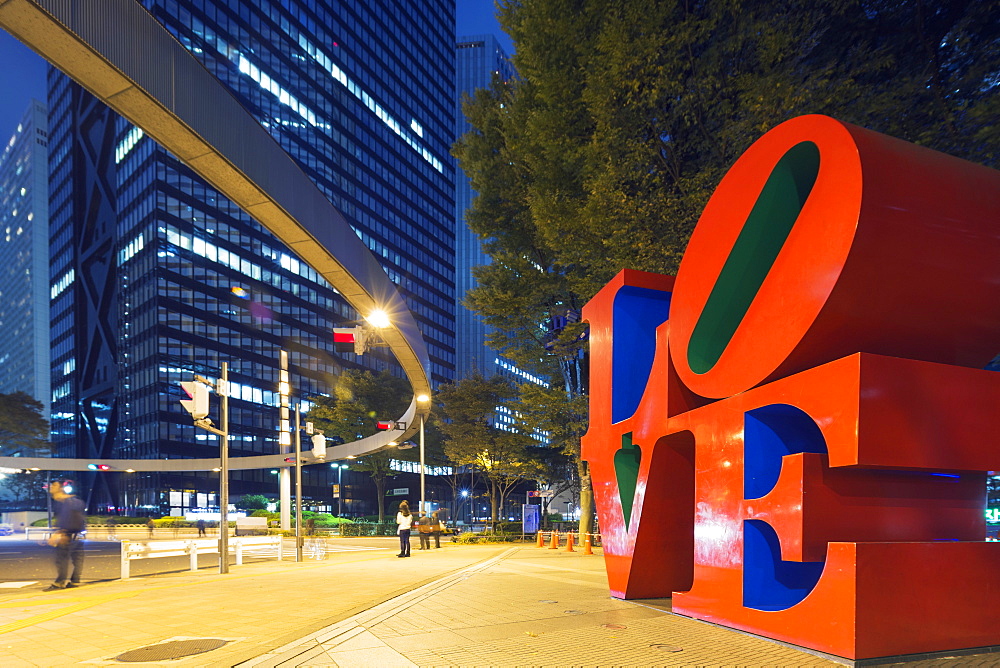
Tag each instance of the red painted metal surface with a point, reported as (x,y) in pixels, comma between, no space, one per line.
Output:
(815,472)
(894,252)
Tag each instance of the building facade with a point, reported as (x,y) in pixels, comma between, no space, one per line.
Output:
(479,59)
(24,253)
(361,95)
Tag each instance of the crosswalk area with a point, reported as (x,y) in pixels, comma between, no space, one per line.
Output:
(311,549)
(352,548)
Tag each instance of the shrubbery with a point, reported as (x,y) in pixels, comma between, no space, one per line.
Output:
(469,537)
(368,529)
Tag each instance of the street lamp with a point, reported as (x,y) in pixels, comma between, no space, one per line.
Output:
(422,400)
(340,488)
(378,319)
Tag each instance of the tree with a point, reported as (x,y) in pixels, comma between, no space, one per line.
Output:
(252,502)
(564,421)
(22,427)
(625,116)
(378,465)
(359,400)
(27,486)
(473,438)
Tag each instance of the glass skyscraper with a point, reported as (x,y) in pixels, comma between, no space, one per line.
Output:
(24,257)
(479,60)
(361,95)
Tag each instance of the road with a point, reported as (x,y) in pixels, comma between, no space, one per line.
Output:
(24,563)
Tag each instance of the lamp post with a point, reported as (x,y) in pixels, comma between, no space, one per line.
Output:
(340,489)
(422,399)
(298,484)
(223,390)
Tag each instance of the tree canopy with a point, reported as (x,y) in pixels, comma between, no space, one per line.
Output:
(359,400)
(625,116)
(503,452)
(22,427)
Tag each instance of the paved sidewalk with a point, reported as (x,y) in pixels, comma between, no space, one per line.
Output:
(459,606)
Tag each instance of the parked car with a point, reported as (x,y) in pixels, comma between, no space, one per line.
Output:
(6,530)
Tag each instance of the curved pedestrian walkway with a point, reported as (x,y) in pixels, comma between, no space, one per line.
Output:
(463,605)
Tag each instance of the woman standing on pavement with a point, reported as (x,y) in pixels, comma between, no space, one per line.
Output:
(404,520)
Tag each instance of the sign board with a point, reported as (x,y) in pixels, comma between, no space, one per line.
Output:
(249,526)
(531,515)
(399,491)
(546,493)
(336,491)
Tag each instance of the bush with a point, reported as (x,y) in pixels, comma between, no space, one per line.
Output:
(172,523)
(469,537)
(507,527)
(253,502)
(368,529)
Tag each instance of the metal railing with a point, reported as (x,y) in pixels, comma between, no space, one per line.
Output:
(132,550)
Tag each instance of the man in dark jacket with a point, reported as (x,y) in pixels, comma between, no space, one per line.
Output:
(70,522)
(424,529)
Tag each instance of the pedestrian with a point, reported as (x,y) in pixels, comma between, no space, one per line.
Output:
(404,520)
(70,522)
(436,529)
(201,528)
(112,528)
(424,531)
(311,526)
(150,526)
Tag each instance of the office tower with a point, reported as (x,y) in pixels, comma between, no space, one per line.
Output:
(24,258)
(479,60)
(361,95)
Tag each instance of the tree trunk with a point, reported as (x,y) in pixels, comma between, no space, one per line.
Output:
(494,504)
(380,497)
(586,499)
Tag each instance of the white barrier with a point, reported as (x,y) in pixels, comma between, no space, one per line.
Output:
(132,550)
(37,533)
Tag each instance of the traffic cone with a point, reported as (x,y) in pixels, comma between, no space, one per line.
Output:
(541,539)
(586,544)
(569,542)
(554,544)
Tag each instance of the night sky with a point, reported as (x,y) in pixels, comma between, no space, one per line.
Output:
(22,73)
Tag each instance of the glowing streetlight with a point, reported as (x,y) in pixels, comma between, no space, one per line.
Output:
(378,319)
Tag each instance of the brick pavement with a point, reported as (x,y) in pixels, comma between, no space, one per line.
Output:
(458,606)
(526,607)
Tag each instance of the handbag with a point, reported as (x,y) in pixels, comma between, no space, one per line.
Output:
(57,539)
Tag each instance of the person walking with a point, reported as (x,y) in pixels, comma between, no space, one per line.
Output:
(424,531)
(150,526)
(404,520)
(70,521)
(436,529)
(201,528)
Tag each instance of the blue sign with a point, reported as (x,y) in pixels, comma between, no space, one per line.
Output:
(531,515)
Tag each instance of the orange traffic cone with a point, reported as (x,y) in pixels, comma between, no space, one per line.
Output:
(569,542)
(541,539)
(586,544)
(554,544)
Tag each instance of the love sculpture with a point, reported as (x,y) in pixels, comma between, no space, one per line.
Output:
(792,437)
